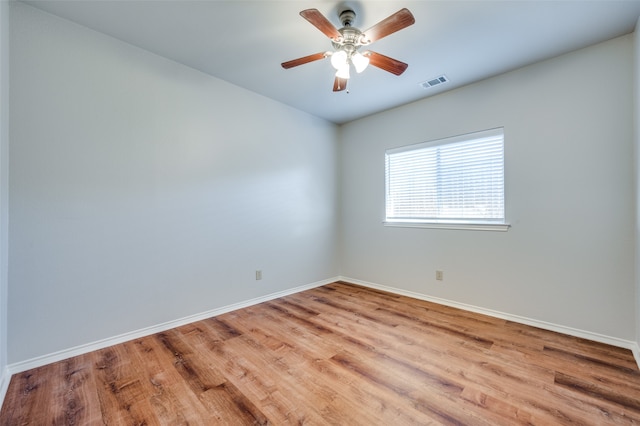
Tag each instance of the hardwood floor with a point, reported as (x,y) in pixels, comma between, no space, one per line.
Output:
(338,354)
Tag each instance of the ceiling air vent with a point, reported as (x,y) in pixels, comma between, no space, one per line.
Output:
(434,82)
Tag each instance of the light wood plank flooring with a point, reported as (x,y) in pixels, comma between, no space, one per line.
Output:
(339,354)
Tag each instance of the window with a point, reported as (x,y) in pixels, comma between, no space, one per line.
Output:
(456,182)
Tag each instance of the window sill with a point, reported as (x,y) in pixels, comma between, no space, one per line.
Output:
(501,227)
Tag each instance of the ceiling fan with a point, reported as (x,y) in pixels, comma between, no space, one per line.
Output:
(348,40)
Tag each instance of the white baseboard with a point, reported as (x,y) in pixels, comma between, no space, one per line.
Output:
(5,378)
(614,341)
(21,366)
(101,344)
(636,353)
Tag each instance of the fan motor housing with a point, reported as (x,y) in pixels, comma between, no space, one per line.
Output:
(351,39)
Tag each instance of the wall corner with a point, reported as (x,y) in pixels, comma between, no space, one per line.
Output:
(636,144)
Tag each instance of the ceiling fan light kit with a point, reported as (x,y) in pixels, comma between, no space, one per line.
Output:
(347,41)
(339,59)
(343,72)
(360,62)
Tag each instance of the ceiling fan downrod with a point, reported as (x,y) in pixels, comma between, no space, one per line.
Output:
(347,17)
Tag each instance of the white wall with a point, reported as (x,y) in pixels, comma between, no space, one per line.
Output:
(568,258)
(4,174)
(143,191)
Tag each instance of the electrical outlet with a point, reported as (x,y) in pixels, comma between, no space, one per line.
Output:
(439,275)
(258,275)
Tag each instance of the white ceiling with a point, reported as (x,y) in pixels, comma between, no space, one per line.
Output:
(244,42)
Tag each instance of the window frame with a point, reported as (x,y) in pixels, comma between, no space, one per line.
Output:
(445,223)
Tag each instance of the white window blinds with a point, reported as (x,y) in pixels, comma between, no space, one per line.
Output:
(453,180)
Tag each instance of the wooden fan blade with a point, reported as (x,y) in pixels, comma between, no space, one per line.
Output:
(303,60)
(399,20)
(386,63)
(339,84)
(318,20)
